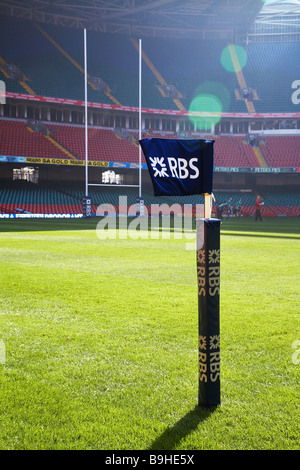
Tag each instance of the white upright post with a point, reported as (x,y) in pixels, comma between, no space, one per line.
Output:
(86,114)
(140,117)
(207,205)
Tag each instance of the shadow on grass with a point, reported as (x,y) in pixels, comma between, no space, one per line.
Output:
(47,225)
(185,426)
(273,227)
(262,235)
(288,227)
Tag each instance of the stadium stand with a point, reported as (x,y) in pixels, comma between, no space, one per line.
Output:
(282,151)
(20,196)
(19,140)
(50,64)
(104,145)
(272,69)
(53,64)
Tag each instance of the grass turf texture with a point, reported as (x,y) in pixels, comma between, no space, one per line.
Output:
(101,339)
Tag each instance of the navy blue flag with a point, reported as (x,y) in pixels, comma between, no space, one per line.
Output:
(179,167)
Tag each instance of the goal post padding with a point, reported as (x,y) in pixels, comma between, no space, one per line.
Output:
(208,276)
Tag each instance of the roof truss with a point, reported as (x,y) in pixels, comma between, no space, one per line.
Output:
(191,18)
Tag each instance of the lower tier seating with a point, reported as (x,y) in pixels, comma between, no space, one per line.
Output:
(17,196)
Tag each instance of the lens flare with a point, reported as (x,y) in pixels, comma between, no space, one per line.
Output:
(205,110)
(216,89)
(233,58)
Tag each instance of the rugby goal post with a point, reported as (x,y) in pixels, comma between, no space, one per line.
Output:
(87,200)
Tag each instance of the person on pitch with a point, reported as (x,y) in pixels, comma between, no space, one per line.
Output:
(239,208)
(258,204)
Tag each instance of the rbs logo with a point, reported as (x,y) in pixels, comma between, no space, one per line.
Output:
(178,167)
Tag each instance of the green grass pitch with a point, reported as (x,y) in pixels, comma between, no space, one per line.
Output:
(99,339)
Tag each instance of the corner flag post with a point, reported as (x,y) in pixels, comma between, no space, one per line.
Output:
(208,275)
(181,168)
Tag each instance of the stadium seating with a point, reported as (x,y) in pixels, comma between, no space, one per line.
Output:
(53,62)
(67,199)
(282,151)
(18,140)
(20,195)
(271,69)
(231,151)
(104,145)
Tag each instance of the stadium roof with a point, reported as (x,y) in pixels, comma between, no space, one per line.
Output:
(226,19)
(162,18)
(280,12)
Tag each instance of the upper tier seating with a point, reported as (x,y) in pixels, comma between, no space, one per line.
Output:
(53,63)
(271,69)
